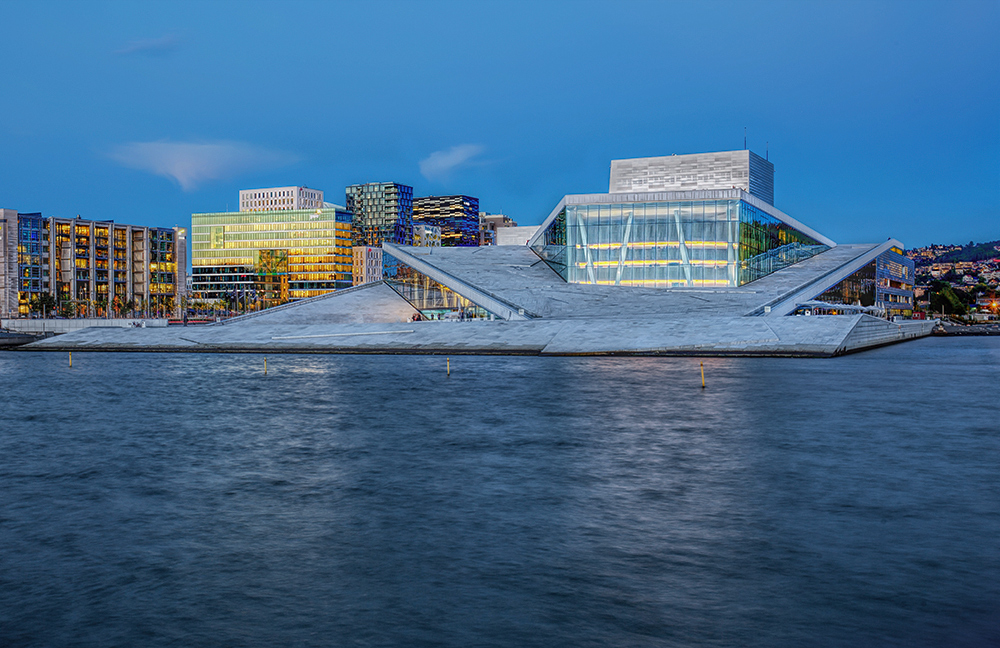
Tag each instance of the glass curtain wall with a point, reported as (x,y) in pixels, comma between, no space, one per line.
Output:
(713,243)
(856,290)
(894,278)
(433,299)
(315,245)
(552,246)
(885,283)
(32,235)
(767,244)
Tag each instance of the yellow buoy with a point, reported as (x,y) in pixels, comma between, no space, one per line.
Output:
(703,375)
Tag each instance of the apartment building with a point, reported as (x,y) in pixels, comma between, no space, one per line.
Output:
(91,268)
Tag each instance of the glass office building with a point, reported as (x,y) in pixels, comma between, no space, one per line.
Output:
(270,256)
(661,240)
(457,216)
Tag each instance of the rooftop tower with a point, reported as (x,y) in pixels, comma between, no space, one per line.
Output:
(724,170)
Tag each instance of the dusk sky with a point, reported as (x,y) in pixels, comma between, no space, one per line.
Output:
(882,118)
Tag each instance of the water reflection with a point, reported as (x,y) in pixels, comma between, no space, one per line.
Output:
(161,499)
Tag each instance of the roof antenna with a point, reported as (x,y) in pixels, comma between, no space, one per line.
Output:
(744,138)
(767,145)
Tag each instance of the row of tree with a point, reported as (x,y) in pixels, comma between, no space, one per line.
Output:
(46,305)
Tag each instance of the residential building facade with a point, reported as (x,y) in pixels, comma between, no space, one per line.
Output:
(367,264)
(90,268)
(426,235)
(515,235)
(382,211)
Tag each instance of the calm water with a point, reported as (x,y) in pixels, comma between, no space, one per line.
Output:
(188,500)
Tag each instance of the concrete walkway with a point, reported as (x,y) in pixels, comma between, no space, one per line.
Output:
(820,336)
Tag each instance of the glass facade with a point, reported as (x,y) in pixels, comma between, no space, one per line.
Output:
(274,255)
(856,290)
(702,243)
(383,211)
(457,216)
(433,299)
(886,283)
(33,272)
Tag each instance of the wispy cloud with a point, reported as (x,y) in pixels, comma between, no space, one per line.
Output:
(190,164)
(151,46)
(439,165)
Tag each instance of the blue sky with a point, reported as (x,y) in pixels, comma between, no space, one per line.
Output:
(881,118)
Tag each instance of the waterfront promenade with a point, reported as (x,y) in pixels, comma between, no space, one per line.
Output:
(814,336)
(540,314)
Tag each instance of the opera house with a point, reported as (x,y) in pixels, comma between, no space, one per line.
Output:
(685,255)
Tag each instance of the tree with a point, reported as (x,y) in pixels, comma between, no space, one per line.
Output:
(43,303)
(946,299)
(66,307)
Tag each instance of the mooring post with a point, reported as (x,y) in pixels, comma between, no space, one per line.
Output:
(703,375)
(448,365)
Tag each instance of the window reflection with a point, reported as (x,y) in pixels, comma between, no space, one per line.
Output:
(885,283)
(712,243)
(434,300)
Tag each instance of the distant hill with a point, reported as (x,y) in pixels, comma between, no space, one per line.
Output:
(977,252)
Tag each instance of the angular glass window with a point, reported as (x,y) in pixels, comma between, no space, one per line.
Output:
(856,290)
(551,246)
(434,300)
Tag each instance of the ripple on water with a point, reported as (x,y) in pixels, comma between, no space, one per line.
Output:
(187,500)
